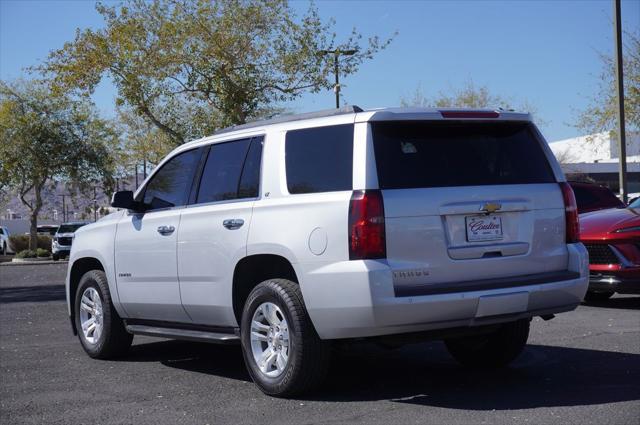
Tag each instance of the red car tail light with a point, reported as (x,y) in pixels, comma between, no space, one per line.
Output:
(366,225)
(571,213)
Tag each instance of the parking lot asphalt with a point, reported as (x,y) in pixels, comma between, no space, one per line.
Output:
(582,367)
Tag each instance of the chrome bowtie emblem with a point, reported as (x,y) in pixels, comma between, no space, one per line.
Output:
(491,207)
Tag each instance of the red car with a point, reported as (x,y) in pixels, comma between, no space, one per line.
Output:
(612,237)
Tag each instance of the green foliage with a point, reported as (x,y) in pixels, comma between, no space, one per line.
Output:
(21,242)
(142,143)
(46,136)
(42,253)
(191,66)
(27,253)
(601,114)
(468,96)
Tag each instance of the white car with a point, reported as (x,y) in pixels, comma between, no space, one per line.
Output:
(293,234)
(5,245)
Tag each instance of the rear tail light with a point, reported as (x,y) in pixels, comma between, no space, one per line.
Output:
(571,213)
(366,225)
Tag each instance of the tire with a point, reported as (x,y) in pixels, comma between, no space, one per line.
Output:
(113,340)
(4,248)
(308,355)
(55,257)
(495,350)
(597,296)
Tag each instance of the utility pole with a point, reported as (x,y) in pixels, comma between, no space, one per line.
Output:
(620,95)
(336,68)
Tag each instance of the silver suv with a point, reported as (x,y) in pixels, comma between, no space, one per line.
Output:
(290,235)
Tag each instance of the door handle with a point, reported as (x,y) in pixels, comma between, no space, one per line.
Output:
(233,223)
(166,230)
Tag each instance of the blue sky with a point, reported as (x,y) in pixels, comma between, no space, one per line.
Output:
(544,52)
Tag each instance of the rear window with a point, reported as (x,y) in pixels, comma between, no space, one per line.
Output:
(320,159)
(439,154)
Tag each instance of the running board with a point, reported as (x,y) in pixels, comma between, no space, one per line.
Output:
(184,334)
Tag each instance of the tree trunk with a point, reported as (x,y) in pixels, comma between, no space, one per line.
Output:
(33,230)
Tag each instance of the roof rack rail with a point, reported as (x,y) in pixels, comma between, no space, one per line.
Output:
(350,109)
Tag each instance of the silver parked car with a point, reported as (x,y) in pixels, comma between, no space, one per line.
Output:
(293,234)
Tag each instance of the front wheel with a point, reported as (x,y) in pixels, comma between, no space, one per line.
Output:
(281,348)
(494,350)
(4,249)
(100,329)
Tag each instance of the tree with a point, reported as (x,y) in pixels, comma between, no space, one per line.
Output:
(468,96)
(44,136)
(191,66)
(142,144)
(601,114)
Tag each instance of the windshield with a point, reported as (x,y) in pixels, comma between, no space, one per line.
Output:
(69,228)
(635,204)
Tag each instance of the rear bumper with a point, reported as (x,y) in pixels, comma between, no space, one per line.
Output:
(355,299)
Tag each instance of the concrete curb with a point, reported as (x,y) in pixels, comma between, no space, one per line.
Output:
(30,262)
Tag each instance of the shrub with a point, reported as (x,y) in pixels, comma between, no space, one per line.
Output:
(21,242)
(26,253)
(42,252)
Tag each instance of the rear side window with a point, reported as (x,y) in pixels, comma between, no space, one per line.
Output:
(169,186)
(320,159)
(440,154)
(232,171)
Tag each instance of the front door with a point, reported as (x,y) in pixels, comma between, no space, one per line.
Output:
(146,244)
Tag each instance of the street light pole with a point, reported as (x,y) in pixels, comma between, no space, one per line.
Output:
(336,68)
(620,95)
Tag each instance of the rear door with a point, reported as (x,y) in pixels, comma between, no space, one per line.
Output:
(467,201)
(213,229)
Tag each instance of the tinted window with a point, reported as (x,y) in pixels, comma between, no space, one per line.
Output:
(221,175)
(594,198)
(250,180)
(440,154)
(169,187)
(320,159)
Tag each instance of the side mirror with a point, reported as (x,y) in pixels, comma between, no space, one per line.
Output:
(124,199)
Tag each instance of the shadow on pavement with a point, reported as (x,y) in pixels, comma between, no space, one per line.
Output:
(40,293)
(424,374)
(212,359)
(626,303)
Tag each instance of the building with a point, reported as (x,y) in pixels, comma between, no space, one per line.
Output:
(596,157)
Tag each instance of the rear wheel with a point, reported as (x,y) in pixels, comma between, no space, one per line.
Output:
(494,350)
(100,329)
(598,296)
(281,348)
(55,257)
